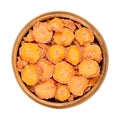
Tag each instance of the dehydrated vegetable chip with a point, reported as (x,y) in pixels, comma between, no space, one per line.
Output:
(30,52)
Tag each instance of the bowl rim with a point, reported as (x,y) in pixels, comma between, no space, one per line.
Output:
(74,17)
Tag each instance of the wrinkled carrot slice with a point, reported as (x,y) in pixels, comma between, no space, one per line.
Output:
(92,52)
(71,98)
(69,24)
(62,93)
(46,89)
(87,89)
(79,26)
(56,53)
(29,75)
(29,37)
(73,55)
(56,25)
(64,38)
(84,36)
(44,49)
(89,68)
(63,72)
(30,52)
(31,88)
(77,85)
(46,69)
(41,33)
(20,64)
(93,81)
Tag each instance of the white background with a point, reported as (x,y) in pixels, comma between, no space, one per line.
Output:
(104,15)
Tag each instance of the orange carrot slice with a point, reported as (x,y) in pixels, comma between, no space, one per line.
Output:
(29,75)
(71,98)
(69,24)
(77,85)
(78,25)
(62,93)
(44,48)
(73,55)
(64,38)
(29,37)
(89,68)
(31,88)
(46,69)
(92,52)
(84,36)
(46,89)
(56,25)
(41,33)
(93,81)
(30,52)
(20,64)
(56,53)
(63,72)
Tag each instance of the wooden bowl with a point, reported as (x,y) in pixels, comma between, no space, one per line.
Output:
(99,38)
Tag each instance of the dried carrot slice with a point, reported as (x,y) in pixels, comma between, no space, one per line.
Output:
(87,89)
(29,37)
(64,38)
(56,25)
(56,53)
(78,25)
(63,72)
(46,89)
(44,49)
(84,36)
(41,33)
(30,52)
(29,75)
(89,68)
(93,81)
(69,24)
(71,98)
(20,64)
(77,85)
(73,55)
(62,93)
(31,88)
(92,52)
(46,69)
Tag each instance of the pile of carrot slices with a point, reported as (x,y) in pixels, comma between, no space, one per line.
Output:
(59,59)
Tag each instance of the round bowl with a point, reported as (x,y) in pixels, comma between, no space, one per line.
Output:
(103,64)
